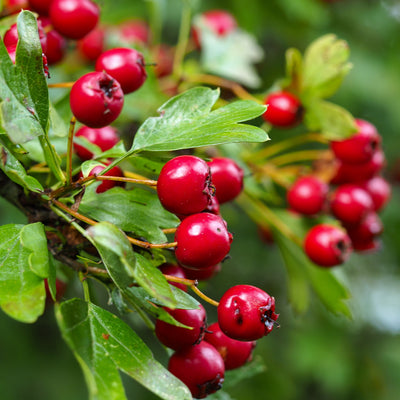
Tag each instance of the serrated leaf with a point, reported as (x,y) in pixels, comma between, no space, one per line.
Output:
(187,121)
(125,267)
(105,345)
(232,55)
(24,263)
(325,65)
(333,121)
(138,211)
(16,172)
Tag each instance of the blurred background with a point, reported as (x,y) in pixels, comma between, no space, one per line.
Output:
(312,356)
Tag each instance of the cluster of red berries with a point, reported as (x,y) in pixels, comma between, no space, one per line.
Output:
(360,192)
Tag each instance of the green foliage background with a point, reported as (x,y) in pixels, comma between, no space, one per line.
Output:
(314,356)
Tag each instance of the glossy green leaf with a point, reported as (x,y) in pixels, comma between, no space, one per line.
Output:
(138,211)
(16,171)
(186,121)
(325,65)
(125,267)
(24,263)
(105,345)
(333,121)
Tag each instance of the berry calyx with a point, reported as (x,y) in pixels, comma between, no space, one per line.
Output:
(360,147)
(201,368)
(350,203)
(105,138)
(96,99)
(308,195)
(124,64)
(235,353)
(284,109)
(227,178)
(246,313)
(74,18)
(184,185)
(327,245)
(202,240)
(177,337)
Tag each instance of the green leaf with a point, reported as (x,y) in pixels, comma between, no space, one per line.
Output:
(16,172)
(138,211)
(334,122)
(294,67)
(187,121)
(124,266)
(325,65)
(24,263)
(105,345)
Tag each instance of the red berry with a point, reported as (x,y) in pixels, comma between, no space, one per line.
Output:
(11,36)
(220,21)
(366,231)
(74,18)
(308,195)
(327,245)
(134,32)
(203,274)
(184,185)
(105,138)
(284,109)
(227,178)
(96,99)
(379,190)
(15,6)
(125,65)
(91,46)
(235,353)
(61,287)
(11,50)
(202,240)
(164,59)
(107,185)
(200,368)
(246,313)
(56,44)
(176,271)
(350,203)
(177,337)
(360,147)
(42,7)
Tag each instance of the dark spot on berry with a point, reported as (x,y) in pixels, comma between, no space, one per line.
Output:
(210,386)
(106,85)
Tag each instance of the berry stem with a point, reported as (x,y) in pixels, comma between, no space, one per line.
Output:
(169,230)
(147,182)
(71,130)
(60,85)
(297,156)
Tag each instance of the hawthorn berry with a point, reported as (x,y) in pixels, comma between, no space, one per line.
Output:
(184,185)
(105,138)
(107,185)
(56,44)
(350,203)
(235,353)
(61,287)
(177,337)
(91,46)
(201,368)
(11,36)
(308,195)
(203,274)
(15,6)
(42,7)
(380,191)
(327,245)
(246,313)
(284,109)
(227,178)
(360,147)
(134,32)
(74,18)
(96,99)
(124,64)
(202,240)
(176,271)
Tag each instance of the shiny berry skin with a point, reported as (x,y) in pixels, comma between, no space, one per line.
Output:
(350,203)
(327,245)
(203,274)
(12,50)
(42,7)
(227,178)
(105,138)
(360,147)
(379,190)
(91,46)
(96,99)
(107,185)
(246,313)
(235,353)
(202,240)
(284,109)
(74,18)
(176,271)
(201,368)
(184,185)
(125,65)
(56,44)
(177,337)
(308,195)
